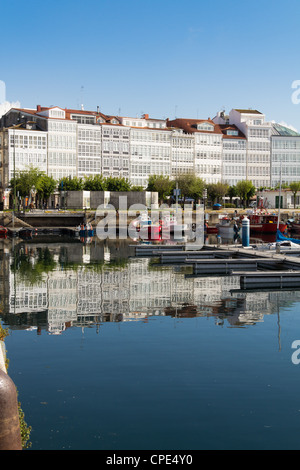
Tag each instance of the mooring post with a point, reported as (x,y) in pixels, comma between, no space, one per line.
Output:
(10,433)
(245,231)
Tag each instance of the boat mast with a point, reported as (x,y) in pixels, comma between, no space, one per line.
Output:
(279,202)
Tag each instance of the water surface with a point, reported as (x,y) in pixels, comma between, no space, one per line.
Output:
(113,352)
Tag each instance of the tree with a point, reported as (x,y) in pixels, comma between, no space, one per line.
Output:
(216,191)
(232,192)
(114,183)
(26,181)
(191,186)
(45,187)
(70,184)
(245,190)
(161,184)
(94,183)
(295,187)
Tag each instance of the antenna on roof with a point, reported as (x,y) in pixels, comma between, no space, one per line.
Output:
(81,94)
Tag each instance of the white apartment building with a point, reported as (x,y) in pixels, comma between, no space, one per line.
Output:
(207,146)
(182,153)
(150,148)
(115,150)
(26,146)
(234,155)
(258,134)
(62,143)
(89,147)
(285,155)
(227,148)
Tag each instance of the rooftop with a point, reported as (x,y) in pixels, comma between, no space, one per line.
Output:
(247,111)
(190,125)
(279,129)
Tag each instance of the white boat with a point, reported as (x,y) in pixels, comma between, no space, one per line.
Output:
(147,227)
(283,246)
(169,225)
(226,227)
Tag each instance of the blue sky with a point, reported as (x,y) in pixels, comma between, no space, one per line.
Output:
(164,58)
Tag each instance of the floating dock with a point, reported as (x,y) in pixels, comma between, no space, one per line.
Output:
(256,268)
(226,266)
(278,279)
(153,250)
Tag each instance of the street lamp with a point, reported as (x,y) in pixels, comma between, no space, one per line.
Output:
(14,166)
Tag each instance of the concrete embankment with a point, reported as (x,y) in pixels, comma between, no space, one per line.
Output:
(62,219)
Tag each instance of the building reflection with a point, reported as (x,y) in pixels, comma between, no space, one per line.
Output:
(54,287)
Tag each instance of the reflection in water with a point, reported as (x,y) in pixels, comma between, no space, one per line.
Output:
(53,287)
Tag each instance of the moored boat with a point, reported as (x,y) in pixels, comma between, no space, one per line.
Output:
(147,229)
(261,222)
(210,228)
(286,245)
(170,225)
(225,226)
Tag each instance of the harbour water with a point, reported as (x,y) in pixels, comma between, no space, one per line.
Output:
(113,352)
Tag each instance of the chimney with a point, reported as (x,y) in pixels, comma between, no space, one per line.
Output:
(38,108)
(98,109)
(145,116)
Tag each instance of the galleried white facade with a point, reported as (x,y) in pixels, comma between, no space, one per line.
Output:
(228,148)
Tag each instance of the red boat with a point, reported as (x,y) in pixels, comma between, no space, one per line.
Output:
(211,228)
(146,228)
(265,223)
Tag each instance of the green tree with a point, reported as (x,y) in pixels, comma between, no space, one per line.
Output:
(217,191)
(137,188)
(245,190)
(70,184)
(94,183)
(46,186)
(191,186)
(295,187)
(160,184)
(232,192)
(114,183)
(25,180)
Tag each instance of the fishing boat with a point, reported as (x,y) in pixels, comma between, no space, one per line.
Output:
(226,227)
(279,235)
(146,227)
(263,222)
(169,224)
(210,228)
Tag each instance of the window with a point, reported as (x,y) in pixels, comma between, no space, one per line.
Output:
(232,133)
(205,126)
